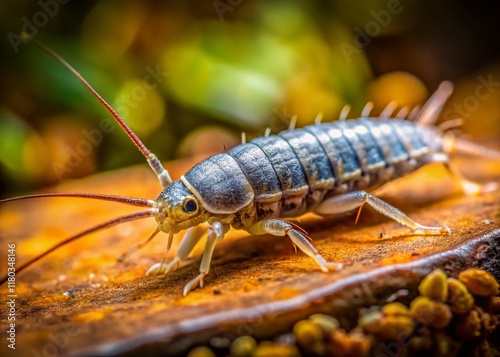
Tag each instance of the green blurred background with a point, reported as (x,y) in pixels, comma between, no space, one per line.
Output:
(190,76)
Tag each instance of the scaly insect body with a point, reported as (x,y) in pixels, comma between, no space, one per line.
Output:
(292,173)
(323,168)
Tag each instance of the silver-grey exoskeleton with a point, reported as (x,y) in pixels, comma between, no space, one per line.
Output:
(324,168)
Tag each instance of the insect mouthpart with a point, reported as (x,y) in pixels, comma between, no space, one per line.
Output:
(161,217)
(178,208)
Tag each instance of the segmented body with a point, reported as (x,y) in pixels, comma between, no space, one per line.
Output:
(288,174)
(326,168)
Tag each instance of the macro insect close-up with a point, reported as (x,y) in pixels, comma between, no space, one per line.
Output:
(360,205)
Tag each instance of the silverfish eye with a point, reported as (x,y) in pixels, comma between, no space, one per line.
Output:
(190,205)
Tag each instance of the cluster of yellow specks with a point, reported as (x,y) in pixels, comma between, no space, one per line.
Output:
(434,286)
(447,313)
(321,335)
(461,300)
(479,282)
(432,313)
(387,324)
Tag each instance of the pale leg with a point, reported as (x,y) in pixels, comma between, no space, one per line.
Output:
(467,186)
(192,236)
(215,233)
(352,200)
(279,227)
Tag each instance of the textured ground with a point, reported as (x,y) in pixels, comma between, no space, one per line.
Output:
(81,301)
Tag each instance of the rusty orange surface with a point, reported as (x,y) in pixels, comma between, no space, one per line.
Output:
(83,298)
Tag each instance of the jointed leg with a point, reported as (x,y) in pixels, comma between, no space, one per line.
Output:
(278,227)
(468,187)
(215,233)
(192,236)
(352,200)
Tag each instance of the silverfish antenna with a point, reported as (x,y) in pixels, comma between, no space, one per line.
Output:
(153,161)
(113,222)
(141,202)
